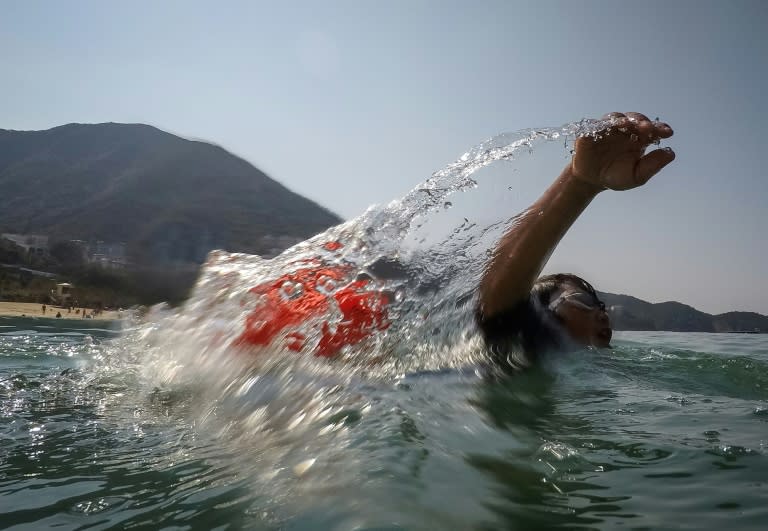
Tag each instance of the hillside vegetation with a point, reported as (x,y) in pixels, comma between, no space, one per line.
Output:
(169,199)
(630,313)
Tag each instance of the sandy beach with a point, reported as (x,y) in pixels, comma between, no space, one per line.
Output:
(31,309)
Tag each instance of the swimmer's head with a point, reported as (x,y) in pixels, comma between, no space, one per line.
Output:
(570,312)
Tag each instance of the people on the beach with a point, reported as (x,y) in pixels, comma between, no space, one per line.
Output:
(43,308)
(517,312)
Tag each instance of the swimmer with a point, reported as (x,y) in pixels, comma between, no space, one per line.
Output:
(554,312)
(515,309)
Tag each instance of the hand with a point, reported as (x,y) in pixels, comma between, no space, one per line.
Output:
(617,160)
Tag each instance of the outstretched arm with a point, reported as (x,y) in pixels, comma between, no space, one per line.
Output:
(614,161)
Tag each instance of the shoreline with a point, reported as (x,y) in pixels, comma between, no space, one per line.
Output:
(33,309)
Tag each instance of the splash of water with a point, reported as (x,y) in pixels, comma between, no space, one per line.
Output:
(425,318)
(429,286)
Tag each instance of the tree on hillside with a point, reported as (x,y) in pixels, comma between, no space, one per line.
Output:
(10,253)
(70,255)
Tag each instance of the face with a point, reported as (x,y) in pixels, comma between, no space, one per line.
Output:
(583,316)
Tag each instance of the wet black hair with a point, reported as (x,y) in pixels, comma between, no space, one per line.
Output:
(518,336)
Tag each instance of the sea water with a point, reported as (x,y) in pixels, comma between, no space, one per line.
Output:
(666,430)
(165,422)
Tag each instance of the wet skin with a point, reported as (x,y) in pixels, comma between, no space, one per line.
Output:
(584,317)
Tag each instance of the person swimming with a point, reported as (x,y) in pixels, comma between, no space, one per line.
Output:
(555,312)
(516,310)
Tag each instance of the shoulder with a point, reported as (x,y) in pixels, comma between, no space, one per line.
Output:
(506,335)
(519,335)
(507,325)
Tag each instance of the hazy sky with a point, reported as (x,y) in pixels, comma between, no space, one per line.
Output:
(354,103)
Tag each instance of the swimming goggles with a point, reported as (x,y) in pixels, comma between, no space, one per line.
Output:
(579,299)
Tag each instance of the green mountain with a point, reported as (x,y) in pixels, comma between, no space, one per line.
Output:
(169,199)
(630,313)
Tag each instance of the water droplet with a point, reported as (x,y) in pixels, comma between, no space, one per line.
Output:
(680,400)
(399,295)
(302,467)
(326,285)
(92,507)
(291,290)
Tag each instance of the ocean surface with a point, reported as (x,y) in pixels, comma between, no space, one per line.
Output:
(665,431)
(173,422)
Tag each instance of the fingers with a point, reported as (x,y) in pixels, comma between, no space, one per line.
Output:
(652,163)
(638,126)
(662,130)
(643,128)
(637,117)
(612,116)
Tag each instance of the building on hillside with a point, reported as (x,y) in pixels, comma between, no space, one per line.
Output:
(33,244)
(108,255)
(105,262)
(82,249)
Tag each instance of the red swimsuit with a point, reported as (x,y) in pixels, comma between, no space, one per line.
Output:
(307,296)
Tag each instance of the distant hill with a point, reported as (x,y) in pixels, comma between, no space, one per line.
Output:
(169,199)
(630,313)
